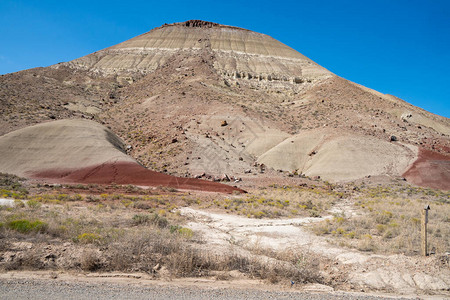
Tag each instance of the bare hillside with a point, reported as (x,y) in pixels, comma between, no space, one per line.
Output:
(199,98)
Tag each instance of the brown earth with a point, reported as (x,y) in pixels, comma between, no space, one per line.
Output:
(131,173)
(431,169)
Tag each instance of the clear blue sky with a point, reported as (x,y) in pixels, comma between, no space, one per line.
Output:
(399,47)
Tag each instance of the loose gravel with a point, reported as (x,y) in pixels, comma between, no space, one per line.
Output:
(40,289)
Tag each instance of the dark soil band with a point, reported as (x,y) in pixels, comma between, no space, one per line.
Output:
(130,173)
(431,169)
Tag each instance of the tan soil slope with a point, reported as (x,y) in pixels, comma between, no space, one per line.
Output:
(65,144)
(81,151)
(339,157)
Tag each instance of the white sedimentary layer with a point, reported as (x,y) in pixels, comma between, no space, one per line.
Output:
(238,53)
(63,144)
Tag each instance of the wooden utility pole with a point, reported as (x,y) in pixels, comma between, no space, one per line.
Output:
(424,230)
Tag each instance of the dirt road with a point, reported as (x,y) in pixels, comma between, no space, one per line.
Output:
(54,289)
(404,275)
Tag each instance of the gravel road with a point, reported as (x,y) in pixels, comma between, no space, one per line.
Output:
(44,289)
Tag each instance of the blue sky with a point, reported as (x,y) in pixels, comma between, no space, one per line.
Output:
(399,47)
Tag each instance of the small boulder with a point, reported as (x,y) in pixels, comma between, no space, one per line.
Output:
(225,177)
(262,168)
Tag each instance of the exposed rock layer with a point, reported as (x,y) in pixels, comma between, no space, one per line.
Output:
(239,53)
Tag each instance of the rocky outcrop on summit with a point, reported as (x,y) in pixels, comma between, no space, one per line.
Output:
(200,23)
(238,53)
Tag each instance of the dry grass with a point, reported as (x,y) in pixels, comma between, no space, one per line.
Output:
(389,220)
(109,231)
(128,234)
(280,201)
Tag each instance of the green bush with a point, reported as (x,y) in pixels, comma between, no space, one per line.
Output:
(33,204)
(18,203)
(77,197)
(25,226)
(186,232)
(88,238)
(175,228)
(141,219)
(159,221)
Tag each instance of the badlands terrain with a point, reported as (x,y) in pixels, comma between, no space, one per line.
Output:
(204,150)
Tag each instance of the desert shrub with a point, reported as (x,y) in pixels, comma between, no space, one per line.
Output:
(26,226)
(90,261)
(154,219)
(141,219)
(367,243)
(63,197)
(188,261)
(28,260)
(19,203)
(132,188)
(33,260)
(88,238)
(383,217)
(33,204)
(159,221)
(79,186)
(142,205)
(142,250)
(91,198)
(186,232)
(77,197)
(126,202)
(174,228)
(13,194)
(314,214)
(10,181)
(12,186)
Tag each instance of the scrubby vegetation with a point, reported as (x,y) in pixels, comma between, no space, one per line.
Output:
(131,233)
(387,220)
(11,186)
(280,201)
(26,226)
(128,229)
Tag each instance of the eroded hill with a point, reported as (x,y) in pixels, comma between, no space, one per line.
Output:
(202,99)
